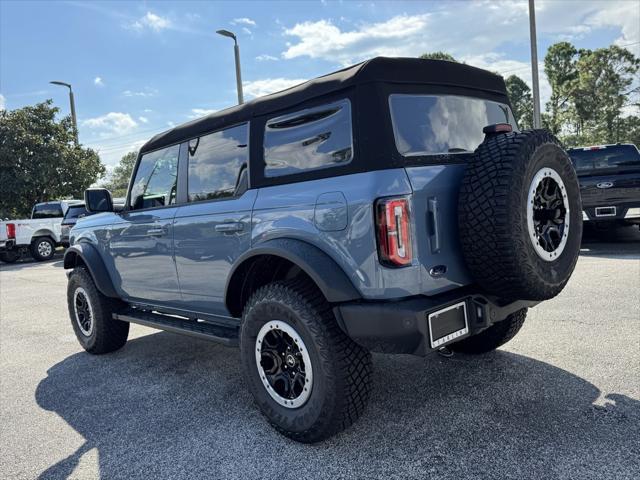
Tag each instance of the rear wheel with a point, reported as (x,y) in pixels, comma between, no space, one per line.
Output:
(493,337)
(307,377)
(91,315)
(42,249)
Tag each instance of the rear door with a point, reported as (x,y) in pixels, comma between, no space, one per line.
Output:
(213,229)
(437,134)
(141,243)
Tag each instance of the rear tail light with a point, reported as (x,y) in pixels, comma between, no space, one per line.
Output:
(11,230)
(394,232)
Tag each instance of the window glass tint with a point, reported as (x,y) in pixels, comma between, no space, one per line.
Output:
(155,182)
(216,162)
(612,157)
(52,210)
(307,140)
(432,124)
(75,212)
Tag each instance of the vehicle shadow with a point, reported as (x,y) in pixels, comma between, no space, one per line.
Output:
(616,242)
(27,262)
(167,406)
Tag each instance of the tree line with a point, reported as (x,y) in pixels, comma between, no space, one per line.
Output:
(594,100)
(595,95)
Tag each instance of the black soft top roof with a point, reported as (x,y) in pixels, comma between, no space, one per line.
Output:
(378,69)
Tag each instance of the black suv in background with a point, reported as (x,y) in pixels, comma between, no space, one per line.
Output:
(609,178)
(70,218)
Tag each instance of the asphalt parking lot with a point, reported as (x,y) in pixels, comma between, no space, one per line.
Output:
(562,400)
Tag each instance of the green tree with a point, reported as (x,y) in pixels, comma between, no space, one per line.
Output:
(39,160)
(438,56)
(521,101)
(561,69)
(604,85)
(118,181)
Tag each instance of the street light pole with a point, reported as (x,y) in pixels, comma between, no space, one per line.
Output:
(534,65)
(236,52)
(73,107)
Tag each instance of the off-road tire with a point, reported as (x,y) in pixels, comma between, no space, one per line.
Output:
(493,337)
(11,256)
(341,368)
(492,216)
(107,334)
(35,252)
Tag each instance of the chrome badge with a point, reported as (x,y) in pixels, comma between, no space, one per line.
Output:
(604,185)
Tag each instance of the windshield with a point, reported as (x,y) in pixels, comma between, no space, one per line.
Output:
(75,212)
(605,158)
(436,124)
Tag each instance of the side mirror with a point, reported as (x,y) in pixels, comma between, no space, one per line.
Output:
(98,200)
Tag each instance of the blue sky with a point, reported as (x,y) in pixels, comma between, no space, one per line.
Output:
(137,68)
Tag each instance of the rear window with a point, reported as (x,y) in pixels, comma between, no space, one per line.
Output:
(436,124)
(75,212)
(605,158)
(47,210)
(310,139)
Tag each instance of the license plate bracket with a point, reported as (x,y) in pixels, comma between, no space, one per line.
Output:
(448,324)
(605,211)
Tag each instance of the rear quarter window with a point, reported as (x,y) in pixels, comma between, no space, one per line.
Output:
(311,139)
(437,124)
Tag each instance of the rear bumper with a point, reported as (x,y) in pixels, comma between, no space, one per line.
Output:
(402,326)
(628,212)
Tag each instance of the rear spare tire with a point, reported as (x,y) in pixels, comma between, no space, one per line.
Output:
(520,215)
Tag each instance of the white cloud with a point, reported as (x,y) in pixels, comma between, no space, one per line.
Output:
(171,124)
(142,119)
(2,102)
(246,30)
(98,82)
(113,123)
(151,21)
(201,112)
(243,21)
(147,110)
(258,88)
(264,58)
(147,92)
(472,34)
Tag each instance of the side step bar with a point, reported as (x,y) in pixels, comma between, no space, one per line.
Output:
(208,331)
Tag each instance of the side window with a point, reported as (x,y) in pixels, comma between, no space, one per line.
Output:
(218,164)
(156,179)
(311,139)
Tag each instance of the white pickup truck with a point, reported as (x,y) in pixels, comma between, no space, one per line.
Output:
(39,235)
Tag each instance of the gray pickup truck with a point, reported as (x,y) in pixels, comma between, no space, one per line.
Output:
(392,206)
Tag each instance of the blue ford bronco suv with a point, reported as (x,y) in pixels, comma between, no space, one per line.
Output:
(392,206)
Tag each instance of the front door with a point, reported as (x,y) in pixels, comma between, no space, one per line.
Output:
(141,243)
(214,228)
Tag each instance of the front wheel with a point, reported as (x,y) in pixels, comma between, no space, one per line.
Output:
(43,249)
(307,377)
(91,315)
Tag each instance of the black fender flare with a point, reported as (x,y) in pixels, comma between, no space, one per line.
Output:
(332,281)
(91,259)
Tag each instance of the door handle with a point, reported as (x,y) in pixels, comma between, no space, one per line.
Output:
(433,224)
(229,227)
(156,232)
